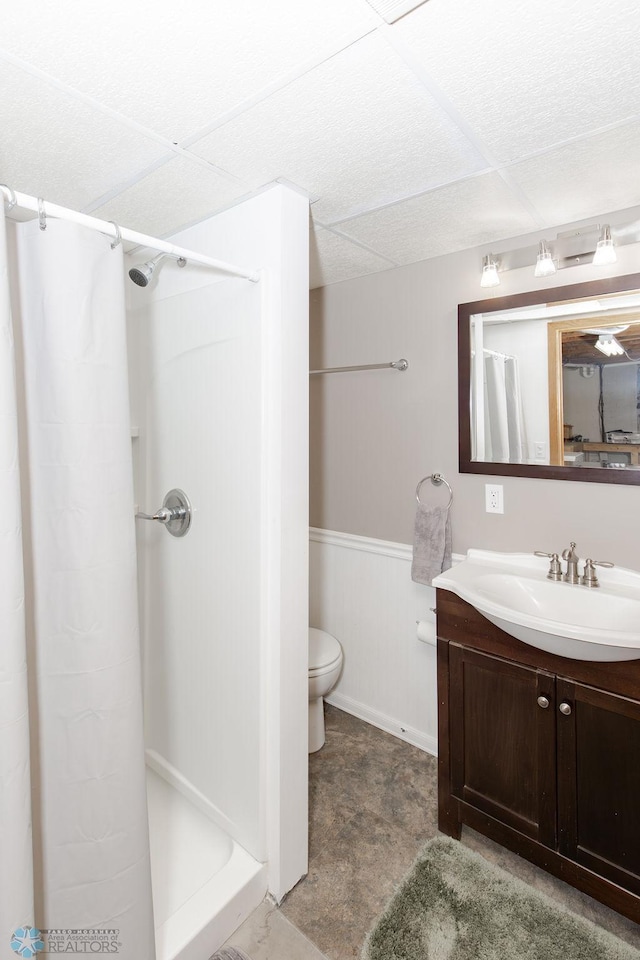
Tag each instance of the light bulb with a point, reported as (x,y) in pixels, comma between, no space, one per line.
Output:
(489,276)
(545,266)
(605,250)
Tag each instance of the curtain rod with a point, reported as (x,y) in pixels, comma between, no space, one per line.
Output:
(110,229)
(400,365)
(498,356)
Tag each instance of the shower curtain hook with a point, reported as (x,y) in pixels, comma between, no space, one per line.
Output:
(13,200)
(42,217)
(118,238)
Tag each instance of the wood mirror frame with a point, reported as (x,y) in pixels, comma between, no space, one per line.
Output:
(575,291)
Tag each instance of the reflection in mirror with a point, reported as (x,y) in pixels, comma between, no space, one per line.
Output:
(553,388)
(594,409)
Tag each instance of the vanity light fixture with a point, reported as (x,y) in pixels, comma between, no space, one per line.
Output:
(605,250)
(607,344)
(592,243)
(545,264)
(489,276)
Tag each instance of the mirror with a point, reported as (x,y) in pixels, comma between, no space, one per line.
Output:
(549,383)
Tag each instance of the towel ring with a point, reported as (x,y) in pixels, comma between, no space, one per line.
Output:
(437,479)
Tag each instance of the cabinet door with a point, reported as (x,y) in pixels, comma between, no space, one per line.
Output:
(599,781)
(503,741)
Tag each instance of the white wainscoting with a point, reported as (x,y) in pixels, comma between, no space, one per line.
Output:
(361,591)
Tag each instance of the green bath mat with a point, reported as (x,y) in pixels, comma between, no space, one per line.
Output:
(456,906)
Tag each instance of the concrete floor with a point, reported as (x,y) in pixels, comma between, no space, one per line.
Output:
(372,807)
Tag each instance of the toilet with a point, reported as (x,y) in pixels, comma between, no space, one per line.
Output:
(325,664)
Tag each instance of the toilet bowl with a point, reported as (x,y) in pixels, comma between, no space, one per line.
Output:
(325,664)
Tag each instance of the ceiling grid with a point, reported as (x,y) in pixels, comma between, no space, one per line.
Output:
(416,128)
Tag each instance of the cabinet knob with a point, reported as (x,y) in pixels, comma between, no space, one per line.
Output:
(543,702)
(565,708)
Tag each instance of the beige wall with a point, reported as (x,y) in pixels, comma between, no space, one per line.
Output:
(375,434)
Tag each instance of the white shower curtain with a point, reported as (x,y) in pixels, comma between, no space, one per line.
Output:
(74,848)
(504,429)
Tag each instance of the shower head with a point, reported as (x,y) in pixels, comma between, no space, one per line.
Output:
(143,273)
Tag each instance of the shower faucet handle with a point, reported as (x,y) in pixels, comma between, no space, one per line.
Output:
(174,514)
(163,515)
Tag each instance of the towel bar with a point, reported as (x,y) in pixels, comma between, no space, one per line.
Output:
(400,365)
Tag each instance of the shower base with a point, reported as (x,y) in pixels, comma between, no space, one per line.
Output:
(204,884)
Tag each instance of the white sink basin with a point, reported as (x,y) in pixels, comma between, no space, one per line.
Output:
(570,620)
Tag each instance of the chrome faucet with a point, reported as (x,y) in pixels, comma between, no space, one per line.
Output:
(570,555)
(588,577)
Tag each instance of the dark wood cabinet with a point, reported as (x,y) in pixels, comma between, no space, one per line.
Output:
(503,763)
(599,782)
(541,753)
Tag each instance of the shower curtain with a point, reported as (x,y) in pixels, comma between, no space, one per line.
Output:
(505,435)
(74,848)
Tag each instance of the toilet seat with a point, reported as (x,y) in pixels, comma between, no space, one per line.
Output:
(327,668)
(324,652)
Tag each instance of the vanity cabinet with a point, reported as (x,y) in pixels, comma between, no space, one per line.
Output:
(541,753)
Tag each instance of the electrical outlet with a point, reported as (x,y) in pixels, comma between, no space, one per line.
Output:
(539,450)
(494,498)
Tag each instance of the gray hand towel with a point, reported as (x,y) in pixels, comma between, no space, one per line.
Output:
(431,543)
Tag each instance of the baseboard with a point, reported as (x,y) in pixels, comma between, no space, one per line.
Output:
(389,724)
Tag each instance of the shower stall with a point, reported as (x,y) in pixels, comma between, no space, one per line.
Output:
(217,371)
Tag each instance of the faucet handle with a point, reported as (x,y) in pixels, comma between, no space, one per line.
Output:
(555,567)
(589,578)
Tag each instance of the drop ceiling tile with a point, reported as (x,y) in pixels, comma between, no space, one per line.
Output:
(176,194)
(332,258)
(56,147)
(356,132)
(466,214)
(175,67)
(392,10)
(585,178)
(527,75)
